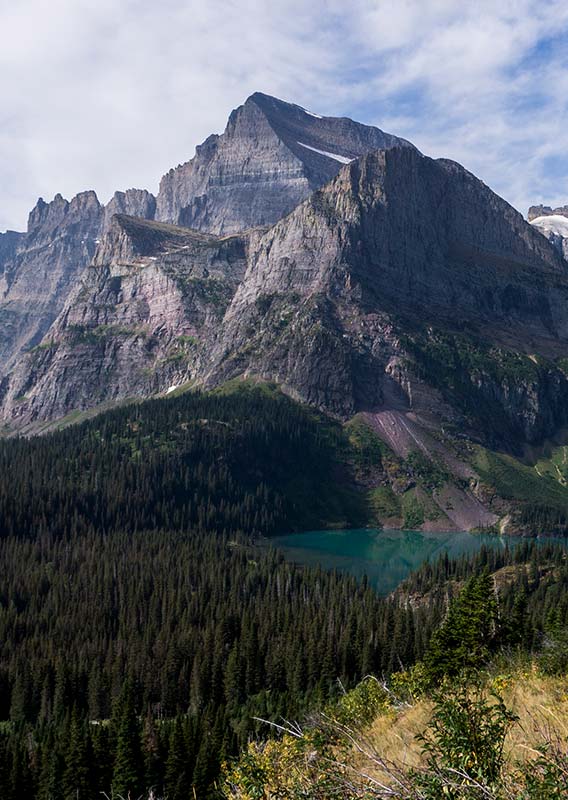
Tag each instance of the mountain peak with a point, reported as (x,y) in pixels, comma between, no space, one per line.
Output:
(271,156)
(270,103)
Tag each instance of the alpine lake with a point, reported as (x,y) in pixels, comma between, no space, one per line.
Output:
(386,557)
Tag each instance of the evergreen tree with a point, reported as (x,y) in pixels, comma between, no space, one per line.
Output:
(469,633)
(177,780)
(78,760)
(128,771)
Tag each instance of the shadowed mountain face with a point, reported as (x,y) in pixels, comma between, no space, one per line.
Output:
(271,156)
(396,241)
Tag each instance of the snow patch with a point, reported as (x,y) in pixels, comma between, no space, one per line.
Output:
(335,156)
(554,223)
(171,389)
(311,113)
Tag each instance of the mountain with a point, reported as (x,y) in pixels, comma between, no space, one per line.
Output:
(39,268)
(271,156)
(402,295)
(553,224)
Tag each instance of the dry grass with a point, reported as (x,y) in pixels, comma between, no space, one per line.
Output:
(540,702)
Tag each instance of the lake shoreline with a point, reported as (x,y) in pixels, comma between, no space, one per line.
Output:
(385,556)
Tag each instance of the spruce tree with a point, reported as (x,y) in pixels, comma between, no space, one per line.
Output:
(128,771)
(78,761)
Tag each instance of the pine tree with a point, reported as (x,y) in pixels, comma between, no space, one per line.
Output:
(177,780)
(469,633)
(128,771)
(78,760)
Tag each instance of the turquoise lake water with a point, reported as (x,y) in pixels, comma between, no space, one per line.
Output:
(385,556)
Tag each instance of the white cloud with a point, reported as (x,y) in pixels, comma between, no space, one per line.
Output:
(110,94)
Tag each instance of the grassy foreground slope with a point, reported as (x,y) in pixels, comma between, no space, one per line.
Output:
(484,713)
(505,737)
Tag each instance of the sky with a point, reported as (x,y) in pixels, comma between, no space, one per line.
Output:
(110,94)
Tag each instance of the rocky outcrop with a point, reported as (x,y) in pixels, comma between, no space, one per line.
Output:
(133,203)
(396,240)
(40,271)
(546,211)
(271,156)
(9,243)
(134,325)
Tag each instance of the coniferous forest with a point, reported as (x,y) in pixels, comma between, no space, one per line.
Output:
(144,633)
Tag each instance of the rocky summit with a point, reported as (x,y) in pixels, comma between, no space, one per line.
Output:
(324,256)
(271,156)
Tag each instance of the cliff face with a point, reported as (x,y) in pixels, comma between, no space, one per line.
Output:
(395,241)
(133,325)
(271,156)
(40,269)
(134,203)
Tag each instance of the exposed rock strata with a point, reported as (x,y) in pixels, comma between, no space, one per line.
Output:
(135,323)
(271,156)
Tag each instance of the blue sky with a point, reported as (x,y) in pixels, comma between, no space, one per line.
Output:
(111,94)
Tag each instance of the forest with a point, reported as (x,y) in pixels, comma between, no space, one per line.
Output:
(145,633)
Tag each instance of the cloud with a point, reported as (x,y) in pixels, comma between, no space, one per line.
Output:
(111,94)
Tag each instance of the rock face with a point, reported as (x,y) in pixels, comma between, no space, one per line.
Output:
(38,269)
(553,225)
(394,240)
(271,156)
(133,203)
(9,243)
(546,211)
(135,322)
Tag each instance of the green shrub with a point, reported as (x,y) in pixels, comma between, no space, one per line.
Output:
(464,745)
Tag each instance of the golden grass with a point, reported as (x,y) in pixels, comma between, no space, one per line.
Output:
(540,702)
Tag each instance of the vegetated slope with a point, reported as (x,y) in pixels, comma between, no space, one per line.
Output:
(502,736)
(481,716)
(131,591)
(301,468)
(180,639)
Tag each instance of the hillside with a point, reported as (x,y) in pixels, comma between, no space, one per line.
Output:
(482,715)
(374,745)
